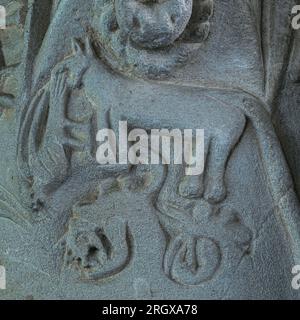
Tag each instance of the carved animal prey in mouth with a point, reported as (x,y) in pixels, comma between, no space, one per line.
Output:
(149,38)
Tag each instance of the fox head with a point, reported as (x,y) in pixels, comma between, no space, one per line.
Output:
(77,63)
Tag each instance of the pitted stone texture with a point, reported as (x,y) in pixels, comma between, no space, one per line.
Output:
(71,228)
(153,24)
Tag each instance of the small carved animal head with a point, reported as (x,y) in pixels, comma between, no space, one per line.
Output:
(149,38)
(77,63)
(153,23)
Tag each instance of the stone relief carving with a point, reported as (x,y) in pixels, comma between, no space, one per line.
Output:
(99,252)
(117,60)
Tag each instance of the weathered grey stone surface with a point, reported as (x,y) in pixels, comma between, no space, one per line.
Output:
(71,228)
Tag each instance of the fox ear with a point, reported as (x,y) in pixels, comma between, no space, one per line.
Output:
(88,47)
(76,46)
